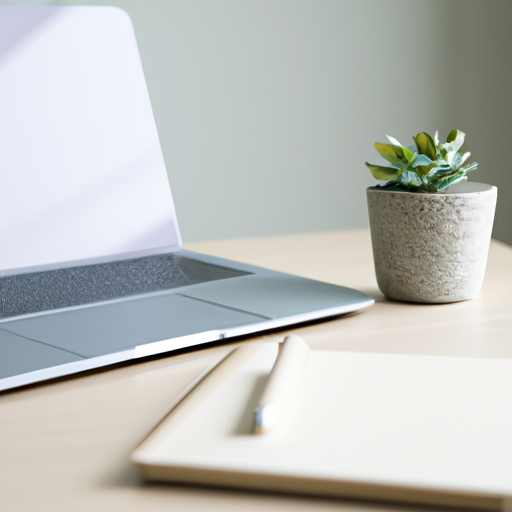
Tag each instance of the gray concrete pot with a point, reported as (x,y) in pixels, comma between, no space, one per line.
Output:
(431,248)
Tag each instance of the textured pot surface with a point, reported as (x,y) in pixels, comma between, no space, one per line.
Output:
(431,247)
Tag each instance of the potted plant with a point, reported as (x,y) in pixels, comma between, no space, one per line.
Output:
(430,227)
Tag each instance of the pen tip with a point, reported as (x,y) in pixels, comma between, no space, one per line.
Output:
(258,430)
(258,421)
(265,417)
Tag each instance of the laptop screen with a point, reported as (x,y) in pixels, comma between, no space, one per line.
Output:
(82,176)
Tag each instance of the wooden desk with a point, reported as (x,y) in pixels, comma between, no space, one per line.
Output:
(65,446)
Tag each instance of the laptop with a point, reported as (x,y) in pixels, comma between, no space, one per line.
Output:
(92,269)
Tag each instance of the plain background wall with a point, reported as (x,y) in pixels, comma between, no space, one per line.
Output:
(268,109)
(482,55)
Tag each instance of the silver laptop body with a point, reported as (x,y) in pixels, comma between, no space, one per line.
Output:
(92,269)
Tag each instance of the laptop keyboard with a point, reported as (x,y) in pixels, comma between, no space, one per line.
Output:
(41,291)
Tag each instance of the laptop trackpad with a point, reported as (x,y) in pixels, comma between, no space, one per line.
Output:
(112,327)
(19,355)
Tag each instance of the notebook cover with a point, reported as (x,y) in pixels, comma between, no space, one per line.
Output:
(414,429)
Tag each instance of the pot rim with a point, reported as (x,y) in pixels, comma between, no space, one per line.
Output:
(475,187)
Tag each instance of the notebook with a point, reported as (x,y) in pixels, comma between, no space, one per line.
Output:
(413,429)
(92,268)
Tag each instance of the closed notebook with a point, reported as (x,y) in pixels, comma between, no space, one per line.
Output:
(420,429)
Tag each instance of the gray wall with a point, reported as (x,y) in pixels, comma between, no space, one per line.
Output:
(482,79)
(267,109)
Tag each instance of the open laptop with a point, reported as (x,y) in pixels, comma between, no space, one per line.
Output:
(92,270)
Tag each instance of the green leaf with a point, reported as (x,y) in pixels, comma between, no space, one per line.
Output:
(426,145)
(454,142)
(452,136)
(448,182)
(464,157)
(383,173)
(409,155)
(470,167)
(400,150)
(439,170)
(423,160)
(393,154)
(422,165)
(410,179)
(458,160)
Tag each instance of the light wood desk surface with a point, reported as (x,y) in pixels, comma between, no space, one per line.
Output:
(65,446)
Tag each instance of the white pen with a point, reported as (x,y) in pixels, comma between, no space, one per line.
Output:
(291,360)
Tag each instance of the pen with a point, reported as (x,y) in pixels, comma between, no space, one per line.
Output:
(291,360)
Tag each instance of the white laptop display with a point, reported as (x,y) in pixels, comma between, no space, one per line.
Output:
(91,266)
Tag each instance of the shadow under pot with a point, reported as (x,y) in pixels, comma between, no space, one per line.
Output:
(431,248)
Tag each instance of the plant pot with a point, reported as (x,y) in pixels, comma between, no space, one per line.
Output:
(431,248)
